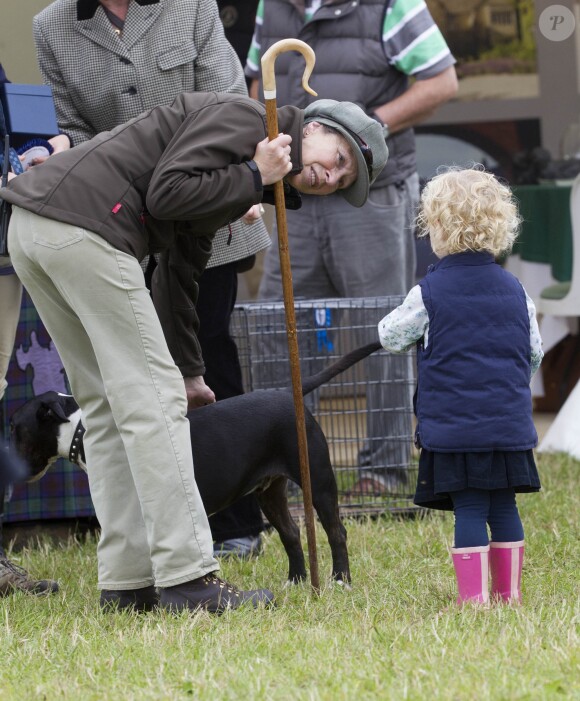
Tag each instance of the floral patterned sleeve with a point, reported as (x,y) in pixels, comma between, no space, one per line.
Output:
(536,352)
(405,325)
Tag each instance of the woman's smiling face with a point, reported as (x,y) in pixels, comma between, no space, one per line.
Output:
(328,162)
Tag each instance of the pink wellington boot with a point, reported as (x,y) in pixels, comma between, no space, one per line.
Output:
(505,560)
(471,570)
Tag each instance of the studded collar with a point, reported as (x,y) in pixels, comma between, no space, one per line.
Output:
(76,447)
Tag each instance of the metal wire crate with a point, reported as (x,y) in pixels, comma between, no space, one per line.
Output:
(365,413)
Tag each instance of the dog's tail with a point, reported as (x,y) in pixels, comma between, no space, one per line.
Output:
(311,383)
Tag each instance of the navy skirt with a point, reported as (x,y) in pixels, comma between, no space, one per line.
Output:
(442,473)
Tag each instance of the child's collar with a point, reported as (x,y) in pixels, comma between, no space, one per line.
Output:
(464,258)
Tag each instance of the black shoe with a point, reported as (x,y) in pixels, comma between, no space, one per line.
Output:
(212,594)
(15,578)
(242,548)
(145,599)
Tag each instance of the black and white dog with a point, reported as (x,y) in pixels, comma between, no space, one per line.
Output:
(240,445)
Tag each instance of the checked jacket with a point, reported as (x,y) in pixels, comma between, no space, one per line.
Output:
(101,79)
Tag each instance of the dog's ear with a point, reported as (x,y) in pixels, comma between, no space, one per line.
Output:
(51,411)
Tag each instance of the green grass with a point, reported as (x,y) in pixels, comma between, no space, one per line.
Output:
(396,635)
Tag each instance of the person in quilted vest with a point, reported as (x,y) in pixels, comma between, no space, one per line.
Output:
(478,345)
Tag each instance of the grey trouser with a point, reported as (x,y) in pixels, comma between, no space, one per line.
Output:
(93,301)
(337,250)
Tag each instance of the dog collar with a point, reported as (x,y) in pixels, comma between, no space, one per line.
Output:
(76,447)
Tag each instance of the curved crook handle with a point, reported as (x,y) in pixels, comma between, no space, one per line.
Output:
(269,58)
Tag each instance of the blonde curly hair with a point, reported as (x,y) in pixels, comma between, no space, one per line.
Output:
(468,209)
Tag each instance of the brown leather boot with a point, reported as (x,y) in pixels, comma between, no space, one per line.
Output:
(144,599)
(212,594)
(14,578)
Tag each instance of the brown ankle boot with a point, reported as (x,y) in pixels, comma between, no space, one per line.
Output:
(15,578)
(212,594)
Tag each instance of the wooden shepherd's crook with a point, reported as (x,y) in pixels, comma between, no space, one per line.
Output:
(269,81)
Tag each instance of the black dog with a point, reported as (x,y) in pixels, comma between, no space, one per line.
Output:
(240,445)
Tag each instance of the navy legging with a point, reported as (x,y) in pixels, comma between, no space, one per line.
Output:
(474,509)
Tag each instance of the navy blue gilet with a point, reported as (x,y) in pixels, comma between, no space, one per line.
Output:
(473,390)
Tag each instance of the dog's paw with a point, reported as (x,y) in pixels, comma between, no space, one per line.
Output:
(343,585)
(294,582)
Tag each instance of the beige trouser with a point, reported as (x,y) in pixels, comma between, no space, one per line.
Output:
(93,301)
(10,299)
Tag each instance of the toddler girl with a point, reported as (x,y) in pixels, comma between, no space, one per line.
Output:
(478,345)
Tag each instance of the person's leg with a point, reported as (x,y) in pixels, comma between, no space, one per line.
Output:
(507,546)
(237,528)
(310,281)
(306,242)
(366,249)
(340,251)
(12,577)
(504,519)
(152,520)
(370,252)
(471,510)
(470,553)
(10,299)
(217,296)
(2,500)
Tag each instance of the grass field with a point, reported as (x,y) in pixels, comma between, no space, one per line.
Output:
(396,635)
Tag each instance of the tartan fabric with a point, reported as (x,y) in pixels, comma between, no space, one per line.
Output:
(100,80)
(35,368)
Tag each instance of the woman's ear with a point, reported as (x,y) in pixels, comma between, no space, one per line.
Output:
(311,127)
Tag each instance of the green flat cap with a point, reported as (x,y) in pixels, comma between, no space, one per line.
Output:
(365,137)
